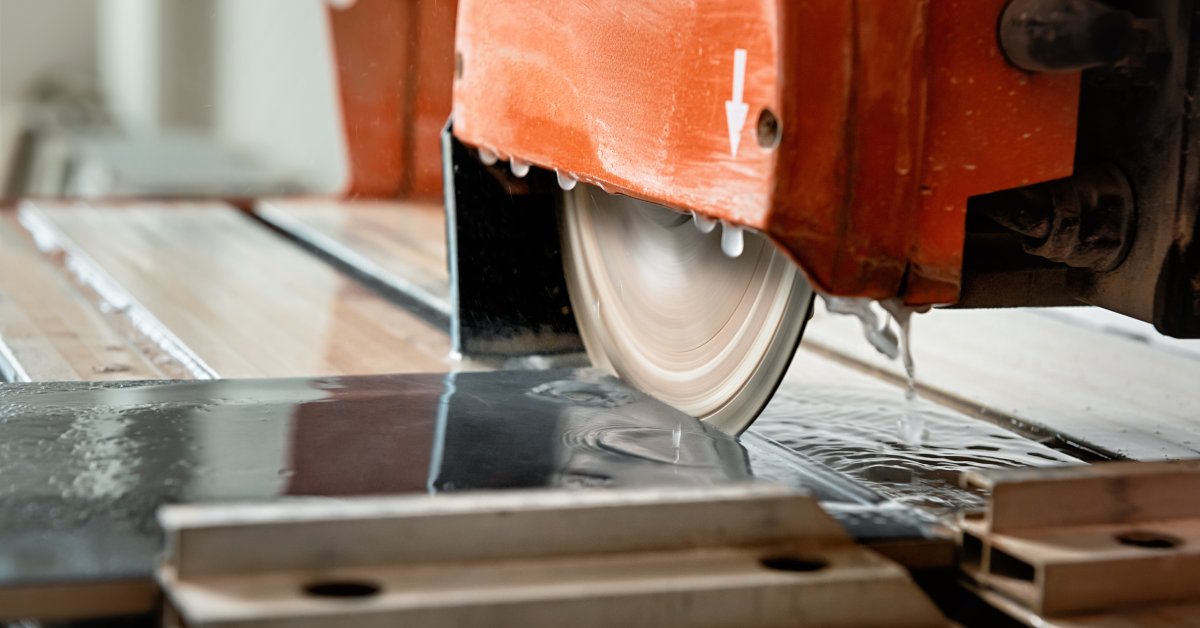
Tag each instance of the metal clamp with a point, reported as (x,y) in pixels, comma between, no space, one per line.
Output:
(1081,539)
(744,555)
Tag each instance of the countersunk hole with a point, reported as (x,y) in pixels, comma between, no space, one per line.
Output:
(793,563)
(342,588)
(1152,540)
(458,65)
(768,129)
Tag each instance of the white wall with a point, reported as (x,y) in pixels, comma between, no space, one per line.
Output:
(128,53)
(257,75)
(39,36)
(274,86)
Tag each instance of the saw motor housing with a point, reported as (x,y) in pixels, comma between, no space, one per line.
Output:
(989,153)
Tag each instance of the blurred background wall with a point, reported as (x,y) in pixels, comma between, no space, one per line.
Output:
(137,92)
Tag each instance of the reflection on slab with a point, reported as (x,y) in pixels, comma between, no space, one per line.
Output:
(86,465)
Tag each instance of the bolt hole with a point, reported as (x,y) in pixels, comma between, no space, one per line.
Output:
(342,589)
(793,563)
(1152,540)
(768,129)
(458,65)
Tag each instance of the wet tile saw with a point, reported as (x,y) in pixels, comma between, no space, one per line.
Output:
(976,153)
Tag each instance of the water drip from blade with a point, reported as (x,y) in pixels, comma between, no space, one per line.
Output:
(893,343)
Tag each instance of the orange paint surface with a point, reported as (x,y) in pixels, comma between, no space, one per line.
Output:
(395,65)
(892,112)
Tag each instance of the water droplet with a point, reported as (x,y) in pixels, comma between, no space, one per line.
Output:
(519,168)
(566,180)
(732,241)
(704,224)
(488,157)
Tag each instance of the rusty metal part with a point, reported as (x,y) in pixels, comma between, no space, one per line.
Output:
(1136,118)
(1066,540)
(1086,221)
(1064,35)
(395,65)
(660,304)
(745,555)
(884,117)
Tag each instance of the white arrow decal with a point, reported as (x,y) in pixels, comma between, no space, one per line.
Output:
(735,110)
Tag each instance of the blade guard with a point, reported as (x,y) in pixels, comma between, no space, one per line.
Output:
(852,137)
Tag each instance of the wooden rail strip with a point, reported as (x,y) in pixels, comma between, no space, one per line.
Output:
(399,245)
(230,296)
(48,328)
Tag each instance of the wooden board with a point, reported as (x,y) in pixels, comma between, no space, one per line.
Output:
(48,329)
(1105,390)
(229,296)
(401,245)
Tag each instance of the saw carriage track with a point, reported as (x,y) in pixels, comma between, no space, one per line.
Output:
(152,289)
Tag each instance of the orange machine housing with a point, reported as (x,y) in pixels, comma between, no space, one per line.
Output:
(888,115)
(395,65)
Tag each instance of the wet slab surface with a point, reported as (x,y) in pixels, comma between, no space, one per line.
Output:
(852,429)
(86,465)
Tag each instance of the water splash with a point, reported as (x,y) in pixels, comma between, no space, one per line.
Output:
(893,341)
(851,428)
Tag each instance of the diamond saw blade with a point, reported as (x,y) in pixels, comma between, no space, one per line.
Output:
(659,304)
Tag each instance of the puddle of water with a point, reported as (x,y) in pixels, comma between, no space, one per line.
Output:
(852,430)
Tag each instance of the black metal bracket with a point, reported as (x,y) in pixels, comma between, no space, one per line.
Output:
(508,295)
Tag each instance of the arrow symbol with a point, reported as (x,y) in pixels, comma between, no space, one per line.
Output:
(735,109)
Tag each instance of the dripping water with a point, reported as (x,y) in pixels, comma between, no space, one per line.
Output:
(911,425)
(704,224)
(566,180)
(875,328)
(732,239)
(878,330)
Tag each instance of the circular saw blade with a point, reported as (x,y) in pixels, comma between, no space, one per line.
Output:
(660,305)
